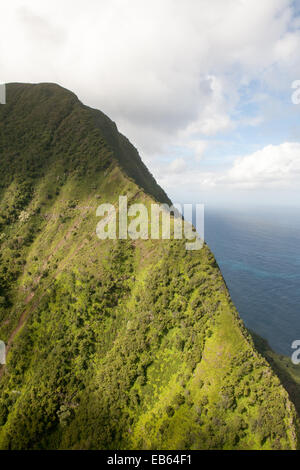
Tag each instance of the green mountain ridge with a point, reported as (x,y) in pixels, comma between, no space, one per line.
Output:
(113,344)
(283,367)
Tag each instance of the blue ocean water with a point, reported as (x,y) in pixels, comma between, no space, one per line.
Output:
(258,252)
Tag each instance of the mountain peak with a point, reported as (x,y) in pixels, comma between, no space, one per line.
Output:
(44,107)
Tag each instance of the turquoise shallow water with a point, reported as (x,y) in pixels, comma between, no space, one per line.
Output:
(258,252)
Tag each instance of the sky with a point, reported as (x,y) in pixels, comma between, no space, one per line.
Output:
(207,90)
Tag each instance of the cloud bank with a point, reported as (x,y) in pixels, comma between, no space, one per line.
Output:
(174,75)
(271,167)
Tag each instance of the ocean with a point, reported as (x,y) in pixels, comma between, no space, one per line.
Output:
(258,251)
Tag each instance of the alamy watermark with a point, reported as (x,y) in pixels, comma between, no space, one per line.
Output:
(156,221)
(2,353)
(296,353)
(296,94)
(2,93)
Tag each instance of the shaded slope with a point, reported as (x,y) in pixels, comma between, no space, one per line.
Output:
(128,157)
(113,344)
(46,111)
(288,372)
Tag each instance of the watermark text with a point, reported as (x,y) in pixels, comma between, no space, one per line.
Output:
(155,221)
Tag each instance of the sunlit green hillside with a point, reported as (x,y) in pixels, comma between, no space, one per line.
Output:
(114,344)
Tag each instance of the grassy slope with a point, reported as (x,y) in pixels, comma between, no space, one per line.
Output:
(288,373)
(112,344)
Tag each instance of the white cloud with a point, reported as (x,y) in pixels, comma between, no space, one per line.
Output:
(169,72)
(274,166)
(177,166)
(39,29)
(161,70)
(199,147)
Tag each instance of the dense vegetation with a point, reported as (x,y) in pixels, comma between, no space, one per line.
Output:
(113,344)
(288,372)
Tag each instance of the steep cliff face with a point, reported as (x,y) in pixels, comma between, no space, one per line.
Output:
(113,343)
